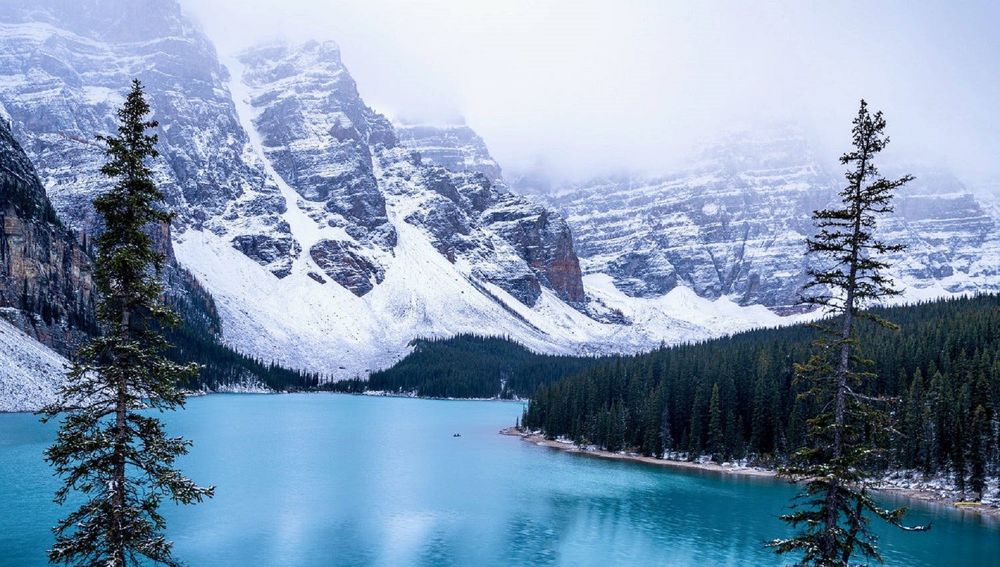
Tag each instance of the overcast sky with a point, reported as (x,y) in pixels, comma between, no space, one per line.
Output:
(586,87)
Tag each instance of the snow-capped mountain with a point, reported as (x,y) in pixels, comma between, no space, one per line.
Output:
(64,67)
(734,225)
(325,243)
(329,238)
(386,245)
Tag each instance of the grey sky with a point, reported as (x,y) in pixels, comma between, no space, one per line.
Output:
(586,86)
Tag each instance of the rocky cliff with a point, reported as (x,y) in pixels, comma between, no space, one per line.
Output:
(539,234)
(46,288)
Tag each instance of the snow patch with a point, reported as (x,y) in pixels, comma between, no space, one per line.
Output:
(30,372)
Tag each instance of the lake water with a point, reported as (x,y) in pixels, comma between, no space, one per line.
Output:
(322,479)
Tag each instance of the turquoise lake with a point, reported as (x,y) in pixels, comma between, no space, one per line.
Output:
(323,479)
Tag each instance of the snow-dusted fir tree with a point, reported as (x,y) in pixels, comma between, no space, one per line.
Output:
(117,457)
(833,510)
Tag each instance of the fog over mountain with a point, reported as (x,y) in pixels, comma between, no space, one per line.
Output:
(587,87)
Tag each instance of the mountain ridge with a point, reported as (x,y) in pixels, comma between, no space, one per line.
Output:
(327,238)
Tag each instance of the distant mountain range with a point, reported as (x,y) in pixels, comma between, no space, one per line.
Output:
(327,238)
(733,224)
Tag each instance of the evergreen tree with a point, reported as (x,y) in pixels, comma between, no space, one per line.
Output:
(121,460)
(716,435)
(978,449)
(760,434)
(694,442)
(832,510)
(912,442)
(666,434)
(734,437)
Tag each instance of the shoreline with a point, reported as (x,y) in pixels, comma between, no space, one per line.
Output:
(411,396)
(925,496)
(541,441)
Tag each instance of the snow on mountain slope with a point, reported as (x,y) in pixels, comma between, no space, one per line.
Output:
(733,225)
(301,322)
(30,372)
(455,265)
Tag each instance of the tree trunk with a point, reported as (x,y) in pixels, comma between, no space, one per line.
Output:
(121,438)
(843,364)
(852,537)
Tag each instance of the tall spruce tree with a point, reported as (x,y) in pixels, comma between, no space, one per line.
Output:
(832,511)
(108,449)
(716,435)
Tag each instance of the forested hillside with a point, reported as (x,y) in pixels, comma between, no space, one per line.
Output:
(224,369)
(469,366)
(737,397)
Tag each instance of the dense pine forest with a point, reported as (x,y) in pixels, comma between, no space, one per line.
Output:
(736,397)
(468,366)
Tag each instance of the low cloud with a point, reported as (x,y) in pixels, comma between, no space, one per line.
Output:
(590,87)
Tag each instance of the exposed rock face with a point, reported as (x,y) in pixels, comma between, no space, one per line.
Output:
(46,287)
(341,261)
(734,225)
(453,146)
(543,239)
(539,235)
(269,251)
